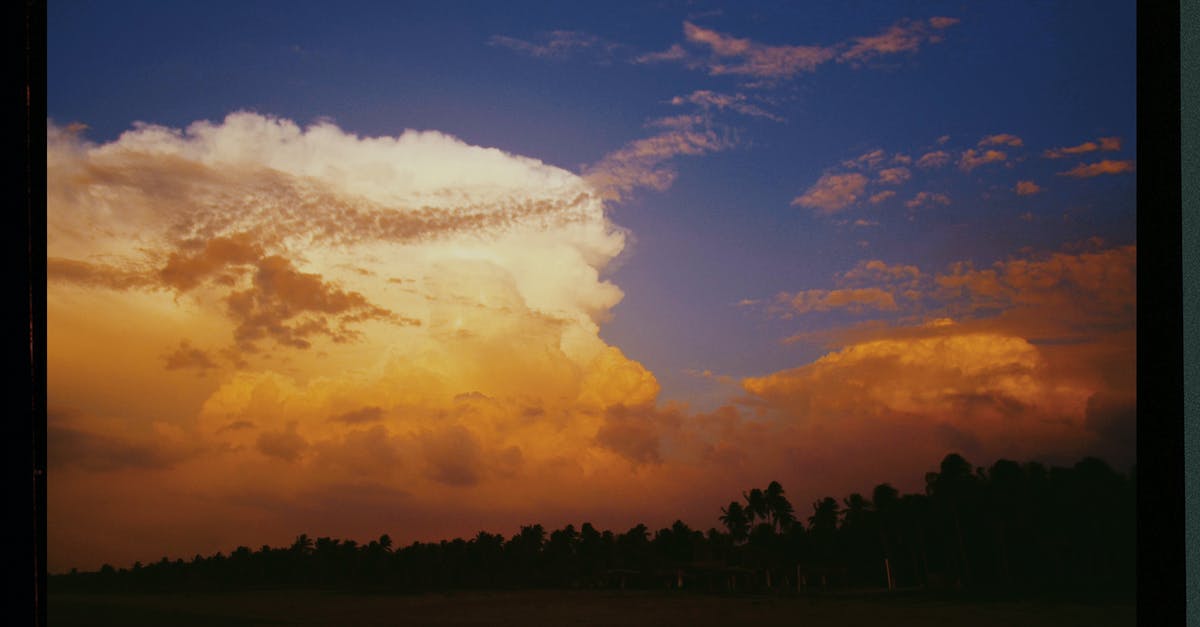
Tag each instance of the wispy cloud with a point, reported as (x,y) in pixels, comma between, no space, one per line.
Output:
(903,36)
(1108,144)
(726,54)
(1100,168)
(646,162)
(972,158)
(561,44)
(881,196)
(1002,139)
(852,300)
(833,192)
(732,55)
(935,159)
(925,199)
(735,102)
(894,176)
(1025,188)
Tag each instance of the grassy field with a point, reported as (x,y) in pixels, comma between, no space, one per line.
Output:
(562,608)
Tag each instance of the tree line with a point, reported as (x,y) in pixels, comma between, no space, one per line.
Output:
(1014,527)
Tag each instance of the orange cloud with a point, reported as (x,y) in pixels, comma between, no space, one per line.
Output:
(1002,139)
(754,59)
(187,357)
(971,159)
(903,36)
(894,176)
(935,159)
(1025,188)
(854,300)
(875,199)
(1099,168)
(832,193)
(925,199)
(643,162)
(737,102)
(1103,143)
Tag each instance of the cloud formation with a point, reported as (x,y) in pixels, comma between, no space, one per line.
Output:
(561,44)
(729,55)
(972,158)
(1002,139)
(645,163)
(736,102)
(903,36)
(832,193)
(1107,144)
(1100,168)
(1026,188)
(926,199)
(935,159)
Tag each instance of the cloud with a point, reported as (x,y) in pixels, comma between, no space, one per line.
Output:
(875,199)
(644,163)
(894,176)
(1103,143)
(870,159)
(1030,357)
(853,300)
(749,58)
(187,357)
(736,102)
(78,440)
(935,159)
(561,44)
(632,432)
(1002,139)
(454,456)
(1099,168)
(729,55)
(903,36)
(274,245)
(832,193)
(972,159)
(283,444)
(926,199)
(675,53)
(360,416)
(95,274)
(1025,188)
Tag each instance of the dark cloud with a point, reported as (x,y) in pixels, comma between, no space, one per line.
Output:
(287,444)
(360,416)
(187,357)
(453,456)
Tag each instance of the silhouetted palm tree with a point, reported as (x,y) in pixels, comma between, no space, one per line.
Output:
(735,520)
(781,512)
(756,505)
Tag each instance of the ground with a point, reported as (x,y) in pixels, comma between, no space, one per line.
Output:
(562,608)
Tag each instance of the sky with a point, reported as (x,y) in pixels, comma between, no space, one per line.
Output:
(427,269)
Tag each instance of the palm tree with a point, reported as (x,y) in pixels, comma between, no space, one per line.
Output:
(781,511)
(756,505)
(736,521)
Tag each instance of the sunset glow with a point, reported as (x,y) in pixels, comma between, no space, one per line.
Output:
(560,271)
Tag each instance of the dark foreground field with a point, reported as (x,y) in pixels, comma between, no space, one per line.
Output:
(562,608)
